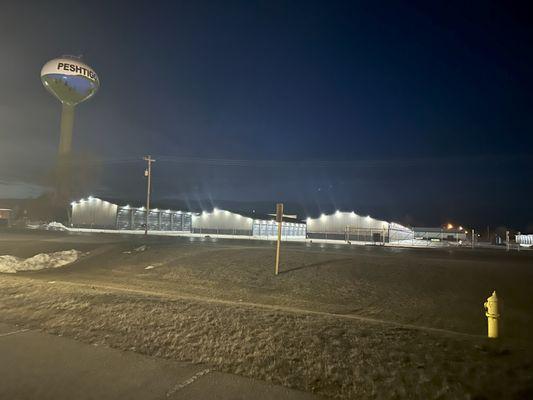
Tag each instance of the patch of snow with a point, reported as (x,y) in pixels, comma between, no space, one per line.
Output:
(150,267)
(33,226)
(140,248)
(55,226)
(418,243)
(51,226)
(11,264)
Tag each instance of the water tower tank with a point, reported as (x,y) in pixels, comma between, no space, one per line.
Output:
(70,81)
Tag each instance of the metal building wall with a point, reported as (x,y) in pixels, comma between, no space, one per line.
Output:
(524,240)
(94,213)
(335,226)
(439,233)
(130,218)
(399,232)
(269,229)
(222,222)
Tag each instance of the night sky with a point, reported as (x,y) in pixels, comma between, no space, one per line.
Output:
(420,113)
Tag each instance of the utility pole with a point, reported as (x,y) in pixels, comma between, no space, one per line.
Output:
(148,174)
(507,242)
(279,219)
(473,237)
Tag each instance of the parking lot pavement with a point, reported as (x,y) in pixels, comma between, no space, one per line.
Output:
(36,365)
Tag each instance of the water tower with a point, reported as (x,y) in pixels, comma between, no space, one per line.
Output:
(71,82)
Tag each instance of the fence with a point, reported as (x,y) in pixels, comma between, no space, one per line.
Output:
(353,234)
(222,231)
(392,233)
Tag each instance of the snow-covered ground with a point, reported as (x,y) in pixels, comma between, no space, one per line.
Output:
(405,243)
(11,264)
(184,234)
(421,243)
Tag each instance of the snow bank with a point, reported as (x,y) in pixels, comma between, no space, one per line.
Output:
(11,264)
(418,243)
(55,226)
(50,226)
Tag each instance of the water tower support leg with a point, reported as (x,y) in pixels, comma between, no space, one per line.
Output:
(63,169)
(67,125)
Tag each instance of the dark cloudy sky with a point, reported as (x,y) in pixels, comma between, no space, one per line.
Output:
(420,112)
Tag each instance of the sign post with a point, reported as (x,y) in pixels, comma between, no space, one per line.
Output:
(279,220)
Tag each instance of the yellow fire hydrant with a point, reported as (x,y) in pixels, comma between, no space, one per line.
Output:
(491,307)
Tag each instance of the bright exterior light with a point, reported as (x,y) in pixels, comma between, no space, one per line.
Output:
(460,228)
(449,226)
(90,197)
(73,203)
(308,219)
(323,216)
(337,213)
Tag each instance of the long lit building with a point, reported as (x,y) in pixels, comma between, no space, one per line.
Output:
(95,213)
(350,226)
(100,214)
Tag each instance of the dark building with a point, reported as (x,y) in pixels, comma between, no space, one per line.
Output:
(5,217)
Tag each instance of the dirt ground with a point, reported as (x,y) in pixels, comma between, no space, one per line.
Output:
(340,321)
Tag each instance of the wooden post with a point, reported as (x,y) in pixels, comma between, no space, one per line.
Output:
(279,220)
